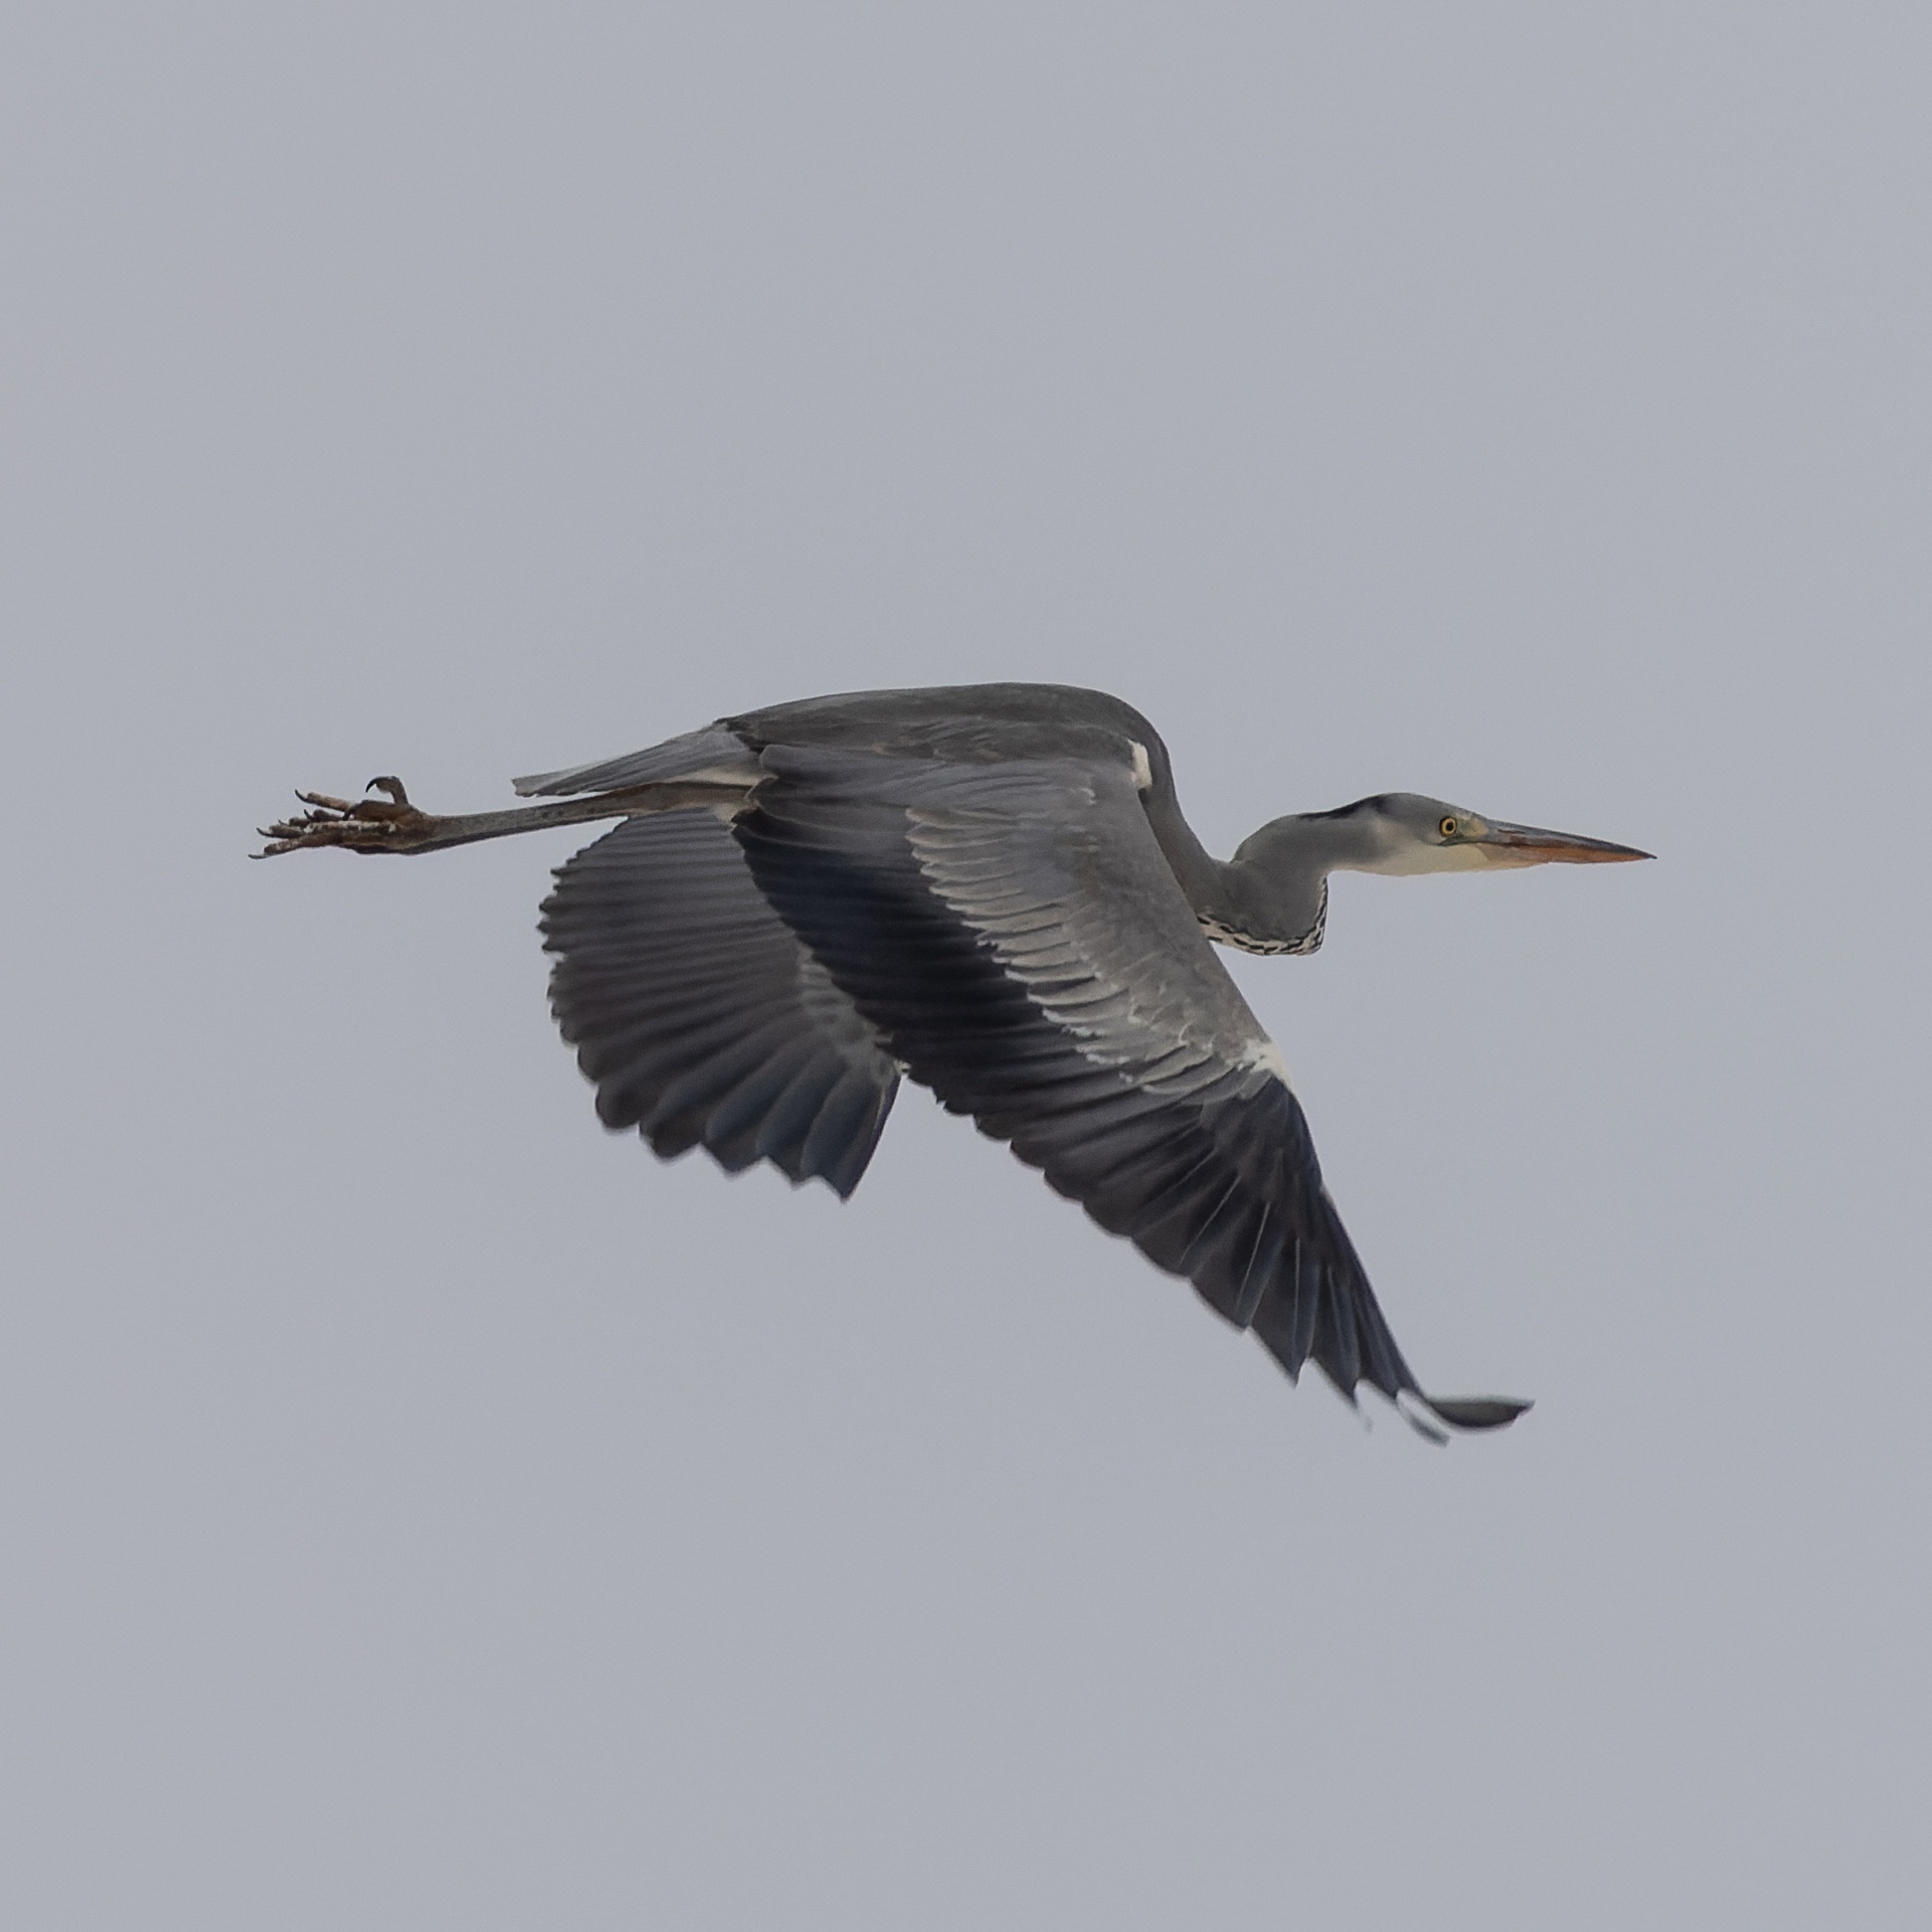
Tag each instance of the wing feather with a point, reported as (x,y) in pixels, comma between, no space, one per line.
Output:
(699,1016)
(1016,936)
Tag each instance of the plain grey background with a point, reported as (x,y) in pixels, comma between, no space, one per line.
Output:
(418,1509)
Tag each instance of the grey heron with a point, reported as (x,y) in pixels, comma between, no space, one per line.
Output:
(989,890)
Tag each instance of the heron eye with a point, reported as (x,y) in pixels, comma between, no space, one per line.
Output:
(1447,828)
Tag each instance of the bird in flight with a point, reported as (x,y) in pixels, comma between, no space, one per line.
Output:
(991,890)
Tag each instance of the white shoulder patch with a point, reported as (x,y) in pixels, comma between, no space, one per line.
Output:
(1266,1055)
(1143,771)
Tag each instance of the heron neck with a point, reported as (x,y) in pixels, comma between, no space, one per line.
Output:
(1270,906)
(1274,890)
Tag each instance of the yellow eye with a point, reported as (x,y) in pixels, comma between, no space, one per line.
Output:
(1447,828)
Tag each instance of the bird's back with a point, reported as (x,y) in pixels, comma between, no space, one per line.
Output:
(959,724)
(967,724)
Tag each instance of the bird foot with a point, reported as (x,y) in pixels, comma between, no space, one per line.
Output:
(389,824)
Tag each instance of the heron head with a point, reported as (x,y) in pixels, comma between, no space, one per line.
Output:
(1403,834)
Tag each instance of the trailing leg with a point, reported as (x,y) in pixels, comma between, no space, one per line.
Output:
(393,823)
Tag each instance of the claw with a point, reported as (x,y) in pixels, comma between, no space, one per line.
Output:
(389,824)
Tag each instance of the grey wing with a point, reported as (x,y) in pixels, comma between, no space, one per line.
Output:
(699,1016)
(713,753)
(1018,939)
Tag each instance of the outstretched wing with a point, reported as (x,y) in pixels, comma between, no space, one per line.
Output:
(698,1014)
(1014,933)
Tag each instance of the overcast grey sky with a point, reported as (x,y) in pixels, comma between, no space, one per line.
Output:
(418,1509)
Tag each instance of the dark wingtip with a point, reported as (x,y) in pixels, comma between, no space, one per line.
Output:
(1476,1412)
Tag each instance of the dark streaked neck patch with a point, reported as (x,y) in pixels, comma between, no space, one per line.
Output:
(1223,934)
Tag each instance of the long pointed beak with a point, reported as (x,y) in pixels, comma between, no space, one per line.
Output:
(1530,845)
